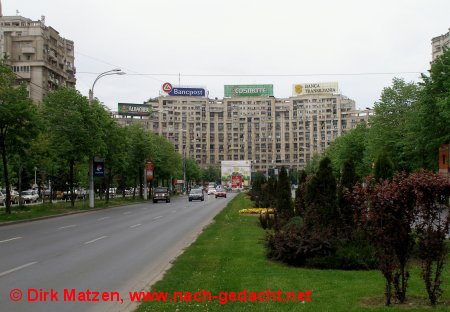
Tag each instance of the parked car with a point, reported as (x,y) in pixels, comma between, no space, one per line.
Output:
(29,196)
(161,193)
(14,196)
(196,194)
(220,192)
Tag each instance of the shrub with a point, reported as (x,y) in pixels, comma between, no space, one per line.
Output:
(291,248)
(267,220)
(349,255)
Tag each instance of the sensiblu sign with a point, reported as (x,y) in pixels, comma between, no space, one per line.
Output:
(248,90)
(134,109)
(183,91)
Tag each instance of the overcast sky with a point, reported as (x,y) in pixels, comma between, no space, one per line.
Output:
(360,44)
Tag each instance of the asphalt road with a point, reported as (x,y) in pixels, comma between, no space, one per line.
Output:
(120,250)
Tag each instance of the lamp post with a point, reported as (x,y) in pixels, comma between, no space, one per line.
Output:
(116,71)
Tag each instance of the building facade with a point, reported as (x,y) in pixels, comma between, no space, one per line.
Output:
(268,131)
(38,55)
(438,43)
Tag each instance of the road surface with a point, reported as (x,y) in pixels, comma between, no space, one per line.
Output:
(51,263)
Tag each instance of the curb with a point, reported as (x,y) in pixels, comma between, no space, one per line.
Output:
(60,215)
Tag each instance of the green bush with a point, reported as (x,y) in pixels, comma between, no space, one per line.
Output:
(350,255)
(267,220)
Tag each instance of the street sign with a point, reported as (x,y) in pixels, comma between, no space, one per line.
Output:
(99,168)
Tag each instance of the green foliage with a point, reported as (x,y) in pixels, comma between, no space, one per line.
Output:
(267,220)
(384,168)
(321,212)
(351,146)
(283,202)
(19,123)
(356,254)
(391,122)
(211,173)
(346,210)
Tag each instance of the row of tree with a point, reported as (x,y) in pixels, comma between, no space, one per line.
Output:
(57,137)
(340,219)
(411,121)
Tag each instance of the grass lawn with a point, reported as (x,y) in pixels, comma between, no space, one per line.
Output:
(60,207)
(229,256)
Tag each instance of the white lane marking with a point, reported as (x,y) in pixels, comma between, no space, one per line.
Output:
(157,217)
(10,239)
(136,225)
(102,218)
(17,268)
(67,227)
(94,240)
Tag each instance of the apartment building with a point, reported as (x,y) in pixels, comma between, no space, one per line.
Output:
(268,131)
(38,55)
(438,43)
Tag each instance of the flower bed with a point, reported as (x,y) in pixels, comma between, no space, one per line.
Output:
(256,211)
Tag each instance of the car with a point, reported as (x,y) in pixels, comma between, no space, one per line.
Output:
(161,193)
(29,196)
(196,194)
(220,192)
(211,191)
(14,196)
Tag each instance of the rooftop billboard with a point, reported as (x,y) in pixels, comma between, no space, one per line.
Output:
(248,90)
(315,88)
(183,91)
(134,109)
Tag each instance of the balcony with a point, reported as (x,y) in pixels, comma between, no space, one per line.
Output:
(28,50)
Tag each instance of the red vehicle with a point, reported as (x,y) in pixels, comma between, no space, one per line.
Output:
(220,192)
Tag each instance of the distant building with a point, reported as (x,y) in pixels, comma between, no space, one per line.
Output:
(268,131)
(438,43)
(37,54)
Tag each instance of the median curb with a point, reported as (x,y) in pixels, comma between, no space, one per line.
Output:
(60,215)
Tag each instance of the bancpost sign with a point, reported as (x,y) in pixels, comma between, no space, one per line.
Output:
(315,88)
(183,91)
(134,109)
(248,90)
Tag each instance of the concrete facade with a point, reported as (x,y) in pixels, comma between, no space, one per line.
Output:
(438,43)
(37,54)
(268,131)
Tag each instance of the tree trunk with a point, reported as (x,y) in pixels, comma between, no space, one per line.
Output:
(72,195)
(6,179)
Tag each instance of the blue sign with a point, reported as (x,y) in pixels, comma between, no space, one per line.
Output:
(177,91)
(99,168)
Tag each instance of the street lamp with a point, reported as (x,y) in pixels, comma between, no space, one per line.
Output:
(116,71)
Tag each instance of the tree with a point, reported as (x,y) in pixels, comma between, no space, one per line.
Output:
(300,192)
(387,216)
(351,146)
(18,122)
(384,168)
(140,150)
(76,128)
(346,212)
(283,195)
(320,199)
(389,125)
(211,174)
(429,125)
(432,194)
